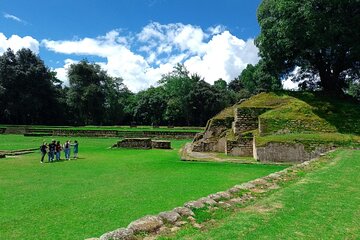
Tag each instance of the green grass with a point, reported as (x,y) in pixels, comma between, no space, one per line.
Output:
(103,190)
(322,204)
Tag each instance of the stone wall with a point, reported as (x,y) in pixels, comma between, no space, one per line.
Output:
(15,130)
(242,147)
(115,133)
(285,152)
(246,119)
(142,143)
(2,130)
(157,134)
(160,144)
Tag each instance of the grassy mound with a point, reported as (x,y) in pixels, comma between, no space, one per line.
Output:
(301,116)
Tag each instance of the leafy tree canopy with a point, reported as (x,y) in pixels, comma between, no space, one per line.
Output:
(320,36)
(27,91)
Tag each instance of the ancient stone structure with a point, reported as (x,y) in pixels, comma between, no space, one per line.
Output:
(230,135)
(232,132)
(143,143)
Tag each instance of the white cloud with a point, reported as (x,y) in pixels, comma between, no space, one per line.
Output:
(225,57)
(16,42)
(61,73)
(214,53)
(12,17)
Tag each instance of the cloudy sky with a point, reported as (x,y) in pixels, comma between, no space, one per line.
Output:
(138,40)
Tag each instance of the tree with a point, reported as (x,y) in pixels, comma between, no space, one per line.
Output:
(27,90)
(116,99)
(150,106)
(255,79)
(320,36)
(177,85)
(87,95)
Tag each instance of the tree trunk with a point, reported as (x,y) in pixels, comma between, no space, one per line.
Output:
(330,81)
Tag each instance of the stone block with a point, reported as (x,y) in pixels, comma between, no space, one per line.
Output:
(146,224)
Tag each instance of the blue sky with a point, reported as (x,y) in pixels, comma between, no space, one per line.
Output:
(137,40)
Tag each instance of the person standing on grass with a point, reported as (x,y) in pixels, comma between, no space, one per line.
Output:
(43,148)
(58,150)
(51,152)
(67,150)
(76,149)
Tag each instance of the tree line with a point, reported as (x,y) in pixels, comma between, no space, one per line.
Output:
(30,93)
(320,38)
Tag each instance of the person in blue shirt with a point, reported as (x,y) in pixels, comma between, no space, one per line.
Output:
(76,148)
(67,150)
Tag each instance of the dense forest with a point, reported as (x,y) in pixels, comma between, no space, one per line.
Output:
(318,38)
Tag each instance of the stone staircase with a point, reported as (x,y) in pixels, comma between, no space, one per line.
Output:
(245,120)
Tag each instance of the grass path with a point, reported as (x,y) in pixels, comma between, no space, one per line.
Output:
(324,204)
(104,189)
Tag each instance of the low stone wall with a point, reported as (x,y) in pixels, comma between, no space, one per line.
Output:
(85,133)
(156,134)
(286,152)
(115,133)
(2,155)
(143,143)
(242,147)
(2,130)
(37,134)
(15,130)
(159,144)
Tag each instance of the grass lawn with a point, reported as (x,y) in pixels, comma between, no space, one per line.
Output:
(323,204)
(103,190)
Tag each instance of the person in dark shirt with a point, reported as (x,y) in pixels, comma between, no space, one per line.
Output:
(58,149)
(51,152)
(43,148)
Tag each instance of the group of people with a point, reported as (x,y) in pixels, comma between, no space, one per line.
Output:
(53,150)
